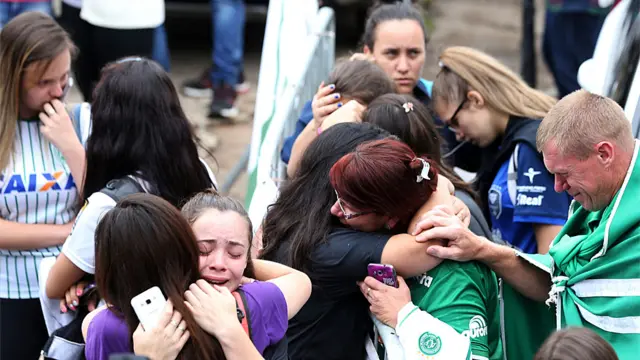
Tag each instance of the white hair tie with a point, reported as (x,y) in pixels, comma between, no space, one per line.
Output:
(408,107)
(424,173)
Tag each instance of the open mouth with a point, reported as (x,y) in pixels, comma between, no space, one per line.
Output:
(218,282)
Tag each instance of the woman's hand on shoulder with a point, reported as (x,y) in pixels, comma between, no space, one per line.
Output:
(446,184)
(458,207)
(350,112)
(442,224)
(165,340)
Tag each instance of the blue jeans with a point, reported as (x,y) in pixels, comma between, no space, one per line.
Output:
(161,48)
(569,40)
(228,18)
(9,10)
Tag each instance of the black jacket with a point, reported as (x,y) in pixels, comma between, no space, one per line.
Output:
(519,130)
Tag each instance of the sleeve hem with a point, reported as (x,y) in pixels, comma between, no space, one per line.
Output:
(545,220)
(82,265)
(405,312)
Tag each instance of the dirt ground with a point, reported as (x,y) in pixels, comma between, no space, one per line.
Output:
(490,25)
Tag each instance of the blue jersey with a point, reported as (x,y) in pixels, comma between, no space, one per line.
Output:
(536,202)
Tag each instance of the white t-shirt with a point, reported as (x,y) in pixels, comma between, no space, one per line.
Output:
(80,246)
(123,14)
(35,188)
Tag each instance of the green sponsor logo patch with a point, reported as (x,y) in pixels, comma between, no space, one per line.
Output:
(429,344)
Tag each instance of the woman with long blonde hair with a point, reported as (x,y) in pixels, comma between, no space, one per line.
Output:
(487,104)
(42,170)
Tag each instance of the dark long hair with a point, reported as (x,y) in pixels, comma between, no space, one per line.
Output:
(387,11)
(140,128)
(145,242)
(416,128)
(381,176)
(301,217)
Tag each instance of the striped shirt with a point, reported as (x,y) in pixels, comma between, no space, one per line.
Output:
(36,188)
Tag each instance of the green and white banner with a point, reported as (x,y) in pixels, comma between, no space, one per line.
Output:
(290,42)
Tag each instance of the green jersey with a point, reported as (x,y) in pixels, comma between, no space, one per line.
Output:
(464,296)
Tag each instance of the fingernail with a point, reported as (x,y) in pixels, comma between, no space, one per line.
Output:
(79,292)
(339,104)
(332,86)
(337,96)
(63,309)
(74,303)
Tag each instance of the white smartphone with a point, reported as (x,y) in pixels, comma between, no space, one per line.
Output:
(148,306)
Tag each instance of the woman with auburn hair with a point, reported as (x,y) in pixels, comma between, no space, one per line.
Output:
(387,179)
(488,105)
(373,179)
(42,162)
(299,231)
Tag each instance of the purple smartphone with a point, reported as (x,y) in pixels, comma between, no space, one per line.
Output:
(386,274)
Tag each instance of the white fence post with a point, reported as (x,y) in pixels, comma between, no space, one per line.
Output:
(298,53)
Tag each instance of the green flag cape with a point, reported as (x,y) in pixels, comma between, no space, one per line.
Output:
(595,268)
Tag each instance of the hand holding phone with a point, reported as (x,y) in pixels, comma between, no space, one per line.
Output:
(148,306)
(386,274)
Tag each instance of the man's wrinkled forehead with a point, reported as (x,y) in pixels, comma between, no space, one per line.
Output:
(554,160)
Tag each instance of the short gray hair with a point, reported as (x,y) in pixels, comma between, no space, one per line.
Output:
(581,120)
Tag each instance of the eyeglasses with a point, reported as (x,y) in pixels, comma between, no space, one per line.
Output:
(66,89)
(453,124)
(350,216)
